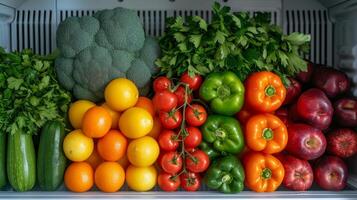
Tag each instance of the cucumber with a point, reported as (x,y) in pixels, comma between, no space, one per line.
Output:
(21,161)
(3,176)
(51,161)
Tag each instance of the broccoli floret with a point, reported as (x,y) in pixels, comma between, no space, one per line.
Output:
(95,50)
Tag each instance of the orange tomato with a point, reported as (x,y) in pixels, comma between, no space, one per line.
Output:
(112,146)
(124,161)
(109,177)
(146,103)
(94,160)
(96,122)
(114,114)
(156,129)
(79,177)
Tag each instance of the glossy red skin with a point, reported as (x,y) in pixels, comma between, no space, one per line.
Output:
(161,83)
(167,140)
(292,91)
(314,108)
(331,173)
(192,185)
(342,142)
(346,112)
(305,77)
(180,94)
(167,183)
(170,120)
(171,162)
(164,101)
(298,173)
(331,81)
(194,137)
(196,115)
(283,114)
(200,165)
(305,142)
(193,82)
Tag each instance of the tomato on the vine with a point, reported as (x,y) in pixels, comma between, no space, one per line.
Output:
(171,119)
(180,94)
(196,115)
(190,181)
(168,182)
(194,137)
(168,140)
(197,162)
(164,101)
(193,82)
(171,162)
(161,83)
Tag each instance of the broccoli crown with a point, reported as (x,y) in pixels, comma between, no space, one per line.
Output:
(95,50)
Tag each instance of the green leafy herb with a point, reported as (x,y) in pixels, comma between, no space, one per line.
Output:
(232,41)
(29,93)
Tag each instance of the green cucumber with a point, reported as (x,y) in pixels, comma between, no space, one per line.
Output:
(3,176)
(21,161)
(51,161)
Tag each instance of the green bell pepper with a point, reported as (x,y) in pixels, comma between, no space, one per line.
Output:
(209,150)
(223,133)
(224,91)
(226,175)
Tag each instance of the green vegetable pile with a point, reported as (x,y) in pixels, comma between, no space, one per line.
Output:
(231,42)
(29,93)
(97,49)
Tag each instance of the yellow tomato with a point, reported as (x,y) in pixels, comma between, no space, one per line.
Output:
(143,152)
(77,110)
(114,114)
(121,94)
(136,122)
(141,179)
(124,162)
(77,146)
(156,129)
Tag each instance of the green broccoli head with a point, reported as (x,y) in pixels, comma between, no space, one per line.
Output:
(98,49)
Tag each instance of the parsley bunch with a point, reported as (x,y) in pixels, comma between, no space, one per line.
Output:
(29,93)
(231,42)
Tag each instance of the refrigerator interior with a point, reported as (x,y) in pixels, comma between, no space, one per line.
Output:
(331,23)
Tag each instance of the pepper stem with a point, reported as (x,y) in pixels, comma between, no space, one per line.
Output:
(268,134)
(220,133)
(226,178)
(266,173)
(223,91)
(270,91)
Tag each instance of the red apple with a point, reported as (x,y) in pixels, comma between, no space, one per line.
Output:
(331,173)
(305,76)
(298,173)
(342,142)
(346,112)
(305,142)
(313,107)
(292,91)
(283,115)
(333,82)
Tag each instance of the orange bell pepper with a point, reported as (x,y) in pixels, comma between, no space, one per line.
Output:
(263,172)
(266,133)
(265,92)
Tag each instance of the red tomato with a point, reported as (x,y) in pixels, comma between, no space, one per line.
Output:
(193,82)
(194,137)
(168,140)
(180,94)
(171,162)
(170,120)
(190,181)
(161,83)
(164,101)
(168,182)
(196,115)
(198,161)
